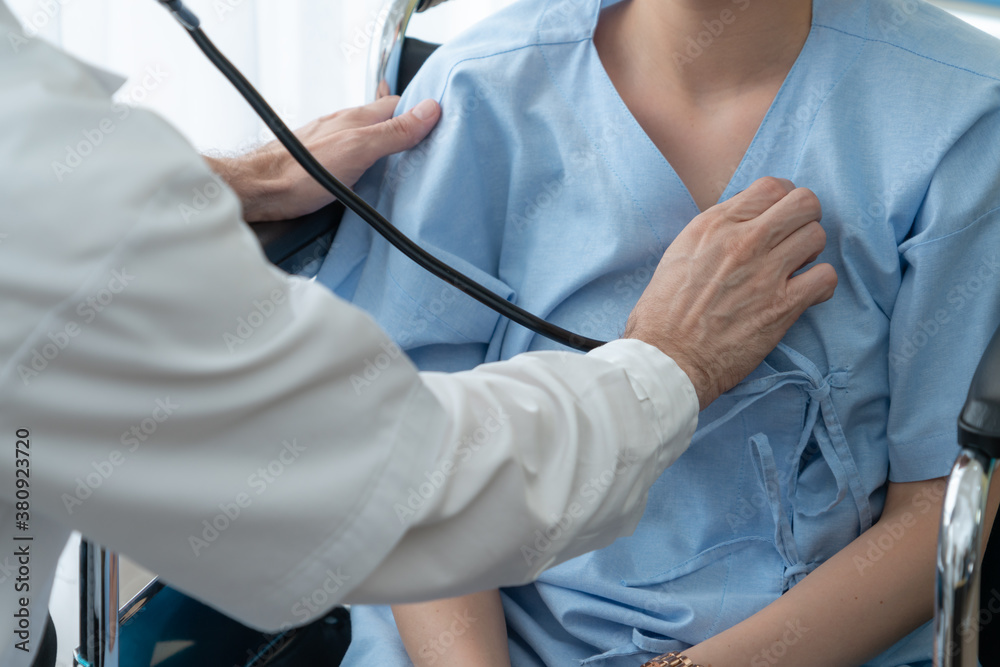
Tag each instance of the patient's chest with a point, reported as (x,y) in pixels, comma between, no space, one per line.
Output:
(703,148)
(703,136)
(796,456)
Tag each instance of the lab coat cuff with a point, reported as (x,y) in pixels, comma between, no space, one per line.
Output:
(663,389)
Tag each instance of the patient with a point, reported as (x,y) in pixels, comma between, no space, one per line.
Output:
(578,138)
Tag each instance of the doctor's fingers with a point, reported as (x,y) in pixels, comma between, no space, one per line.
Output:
(398,134)
(797,209)
(755,200)
(810,288)
(334,128)
(349,152)
(800,248)
(369,114)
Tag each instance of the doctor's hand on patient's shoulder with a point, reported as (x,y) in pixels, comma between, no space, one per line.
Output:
(272,186)
(724,293)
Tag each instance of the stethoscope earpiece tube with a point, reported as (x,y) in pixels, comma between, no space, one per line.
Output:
(365,211)
(424,5)
(183,15)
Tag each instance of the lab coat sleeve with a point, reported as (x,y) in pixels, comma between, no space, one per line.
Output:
(256,441)
(547,456)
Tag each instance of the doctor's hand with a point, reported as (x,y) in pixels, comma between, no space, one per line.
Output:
(272,186)
(728,288)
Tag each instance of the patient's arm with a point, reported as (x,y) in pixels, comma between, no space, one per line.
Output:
(466,631)
(850,609)
(859,602)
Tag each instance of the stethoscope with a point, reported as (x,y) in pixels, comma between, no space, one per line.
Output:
(364,210)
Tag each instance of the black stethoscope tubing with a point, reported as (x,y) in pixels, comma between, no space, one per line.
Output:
(364,210)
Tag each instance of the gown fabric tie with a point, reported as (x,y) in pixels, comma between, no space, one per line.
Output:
(822,426)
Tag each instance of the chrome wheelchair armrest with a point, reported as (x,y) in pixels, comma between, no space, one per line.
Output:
(957,590)
(99,627)
(392,58)
(386,51)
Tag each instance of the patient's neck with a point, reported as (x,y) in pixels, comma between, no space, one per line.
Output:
(705,48)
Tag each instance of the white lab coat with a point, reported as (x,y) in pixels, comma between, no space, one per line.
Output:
(254,440)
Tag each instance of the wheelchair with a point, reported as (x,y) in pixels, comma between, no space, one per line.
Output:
(163,627)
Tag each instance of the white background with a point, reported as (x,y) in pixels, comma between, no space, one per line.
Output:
(308,57)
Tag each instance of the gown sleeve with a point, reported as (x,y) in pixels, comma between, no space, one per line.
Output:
(948,305)
(450,194)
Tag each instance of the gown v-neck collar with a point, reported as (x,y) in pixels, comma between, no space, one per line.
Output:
(774,150)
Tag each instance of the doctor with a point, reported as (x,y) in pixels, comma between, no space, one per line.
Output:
(263,445)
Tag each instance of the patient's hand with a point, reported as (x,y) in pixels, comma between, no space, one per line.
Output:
(272,186)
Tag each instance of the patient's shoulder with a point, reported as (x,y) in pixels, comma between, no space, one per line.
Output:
(504,44)
(917,29)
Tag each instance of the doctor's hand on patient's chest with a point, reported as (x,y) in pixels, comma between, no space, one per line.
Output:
(272,186)
(726,290)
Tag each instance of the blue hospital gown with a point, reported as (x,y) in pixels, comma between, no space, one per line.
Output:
(540,183)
